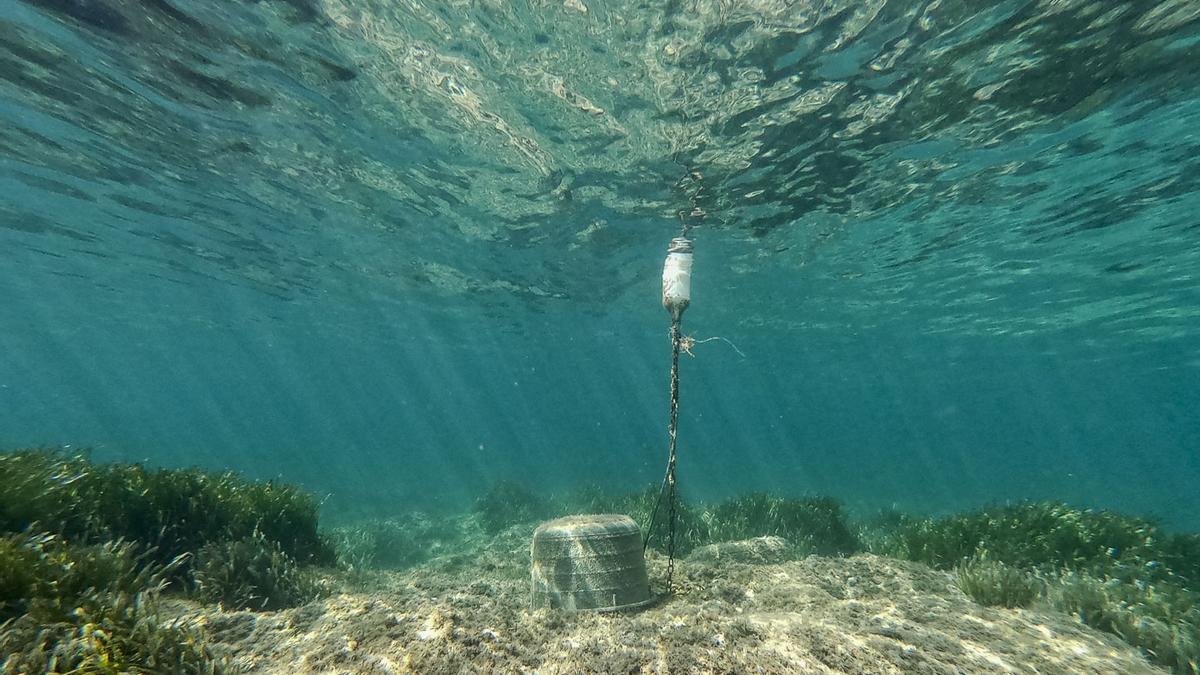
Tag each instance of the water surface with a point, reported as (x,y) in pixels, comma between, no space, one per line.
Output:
(398,250)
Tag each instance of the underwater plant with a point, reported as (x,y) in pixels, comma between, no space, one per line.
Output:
(690,530)
(1162,620)
(45,487)
(251,573)
(181,510)
(393,543)
(90,609)
(22,574)
(593,499)
(509,503)
(995,584)
(171,511)
(1117,573)
(882,532)
(1048,535)
(86,550)
(811,525)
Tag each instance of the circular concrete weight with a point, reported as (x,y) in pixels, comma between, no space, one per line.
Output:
(591,562)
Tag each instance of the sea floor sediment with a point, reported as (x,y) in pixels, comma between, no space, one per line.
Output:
(859,614)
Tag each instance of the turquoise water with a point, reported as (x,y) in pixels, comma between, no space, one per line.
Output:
(398,251)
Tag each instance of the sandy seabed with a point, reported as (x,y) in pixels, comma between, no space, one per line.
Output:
(738,608)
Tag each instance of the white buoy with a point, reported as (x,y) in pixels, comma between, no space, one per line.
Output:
(677,277)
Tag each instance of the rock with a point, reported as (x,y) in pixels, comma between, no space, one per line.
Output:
(757,551)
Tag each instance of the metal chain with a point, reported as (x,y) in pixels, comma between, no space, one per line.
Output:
(669,488)
(673,431)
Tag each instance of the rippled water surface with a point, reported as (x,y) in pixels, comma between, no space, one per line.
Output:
(955,243)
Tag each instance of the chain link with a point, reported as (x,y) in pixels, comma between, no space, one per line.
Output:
(673,431)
